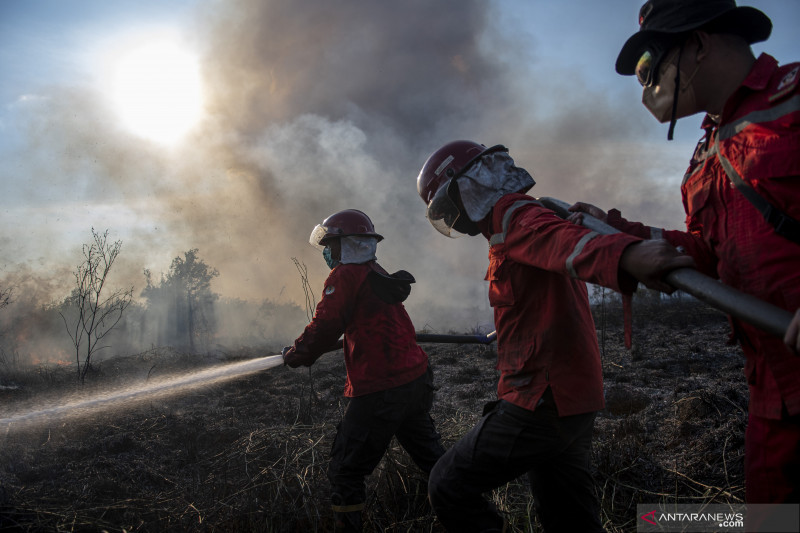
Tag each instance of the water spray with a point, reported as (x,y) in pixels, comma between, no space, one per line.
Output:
(148,390)
(167,386)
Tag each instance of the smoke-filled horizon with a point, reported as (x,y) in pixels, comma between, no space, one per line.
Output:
(313,107)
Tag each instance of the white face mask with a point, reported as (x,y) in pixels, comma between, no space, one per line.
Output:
(487,180)
(658,99)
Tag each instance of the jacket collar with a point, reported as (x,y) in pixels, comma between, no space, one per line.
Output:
(757,80)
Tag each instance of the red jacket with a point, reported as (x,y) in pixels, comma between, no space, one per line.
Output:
(380,348)
(545,332)
(759,134)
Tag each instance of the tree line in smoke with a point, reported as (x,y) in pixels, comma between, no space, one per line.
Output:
(179,309)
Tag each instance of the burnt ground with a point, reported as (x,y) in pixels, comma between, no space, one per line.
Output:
(250,454)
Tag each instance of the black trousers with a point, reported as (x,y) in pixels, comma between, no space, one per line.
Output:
(367,428)
(508,442)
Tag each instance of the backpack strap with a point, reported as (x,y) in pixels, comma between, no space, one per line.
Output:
(784,225)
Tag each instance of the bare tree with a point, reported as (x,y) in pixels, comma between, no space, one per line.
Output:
(5,296)
(310,299)
(310,307)
(96,313)
(7,359)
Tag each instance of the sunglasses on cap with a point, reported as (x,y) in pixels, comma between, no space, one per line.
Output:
(649,62)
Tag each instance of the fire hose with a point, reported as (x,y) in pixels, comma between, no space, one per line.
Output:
(745,307)
(446,339)
(458,339)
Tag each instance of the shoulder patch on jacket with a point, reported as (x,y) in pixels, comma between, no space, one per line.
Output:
(329,289)
(787,84)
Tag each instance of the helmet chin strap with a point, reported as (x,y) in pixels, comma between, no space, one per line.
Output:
(673,120)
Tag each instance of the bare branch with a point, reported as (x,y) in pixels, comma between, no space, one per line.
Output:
(309,293)
(5,297)
(96,314)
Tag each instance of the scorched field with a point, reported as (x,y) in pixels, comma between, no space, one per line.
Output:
(250,454)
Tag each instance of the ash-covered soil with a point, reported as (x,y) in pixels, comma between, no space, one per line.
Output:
(250,454)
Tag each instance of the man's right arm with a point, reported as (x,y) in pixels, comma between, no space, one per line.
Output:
(328,324)
(691,242)
(536,236)
(650,260)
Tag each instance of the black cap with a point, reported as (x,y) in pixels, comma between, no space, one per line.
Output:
(667,19)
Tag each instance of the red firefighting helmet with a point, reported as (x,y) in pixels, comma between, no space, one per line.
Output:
(343,224)
(441,169)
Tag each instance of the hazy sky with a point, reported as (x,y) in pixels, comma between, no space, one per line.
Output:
(287,111)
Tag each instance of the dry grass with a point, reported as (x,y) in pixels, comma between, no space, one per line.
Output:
(251,454)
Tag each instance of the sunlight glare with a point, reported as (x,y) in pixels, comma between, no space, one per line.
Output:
(157,91)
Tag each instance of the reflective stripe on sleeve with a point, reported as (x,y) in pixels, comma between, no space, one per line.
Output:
(577,250)
(499,238)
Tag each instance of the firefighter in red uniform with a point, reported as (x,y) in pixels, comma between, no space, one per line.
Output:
(551,383)
(741,194)
(389,382)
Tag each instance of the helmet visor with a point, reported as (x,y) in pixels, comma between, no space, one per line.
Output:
(443,212)
(317,235)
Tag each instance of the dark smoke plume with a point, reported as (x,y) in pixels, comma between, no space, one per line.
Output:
(318,106)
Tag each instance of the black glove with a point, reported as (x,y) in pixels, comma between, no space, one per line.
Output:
(292,358)
(285,350)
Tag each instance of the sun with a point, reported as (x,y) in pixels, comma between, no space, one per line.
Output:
(157,91)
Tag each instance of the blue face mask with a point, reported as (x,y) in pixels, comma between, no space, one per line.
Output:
(330,261)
